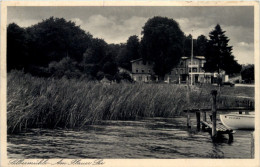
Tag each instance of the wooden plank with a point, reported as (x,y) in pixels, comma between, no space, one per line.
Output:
(235,109)
(220,128)
(207,124)
(204,118)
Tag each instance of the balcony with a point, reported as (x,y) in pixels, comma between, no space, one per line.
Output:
(193,65)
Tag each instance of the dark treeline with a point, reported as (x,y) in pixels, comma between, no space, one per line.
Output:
(248,73)
(57,48)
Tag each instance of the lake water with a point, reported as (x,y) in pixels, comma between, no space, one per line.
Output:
(149,138)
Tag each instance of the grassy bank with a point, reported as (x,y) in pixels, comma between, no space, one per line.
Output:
(52,103)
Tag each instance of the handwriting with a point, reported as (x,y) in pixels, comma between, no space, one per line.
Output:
(83,162)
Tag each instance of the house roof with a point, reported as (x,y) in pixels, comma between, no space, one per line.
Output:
(200,57)
(136,60)
(195,57)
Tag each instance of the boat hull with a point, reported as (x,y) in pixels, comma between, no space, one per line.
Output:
(238,121)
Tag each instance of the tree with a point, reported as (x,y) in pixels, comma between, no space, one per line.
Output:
(248,73)
(133,46)
(66,67)
(219,53)
(130,51)
(98,60)
(55,38)
(122,59)
(187,46)
(17,55)
(96,52)
(162,43)
(110,68)
(202,45)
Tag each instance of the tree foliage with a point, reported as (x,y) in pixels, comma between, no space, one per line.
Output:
(16,47)
(55,38)
(128,52)
(56,47)
(201,45)
(248,73)
(162,43)
(219,53)
(187,46)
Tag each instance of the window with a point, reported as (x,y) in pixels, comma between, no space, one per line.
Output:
(136,70)
(194,69)
(149,71)
(181,71)
(142,71)
(189,69)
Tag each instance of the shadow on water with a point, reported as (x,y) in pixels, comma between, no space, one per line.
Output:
(148,138)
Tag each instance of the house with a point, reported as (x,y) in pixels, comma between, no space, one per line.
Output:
(187,70)
(142,71)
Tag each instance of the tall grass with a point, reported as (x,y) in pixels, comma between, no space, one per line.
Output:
(52,103)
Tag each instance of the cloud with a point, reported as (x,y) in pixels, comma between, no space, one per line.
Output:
(78,21)
(244,52)
(112,29)
(241,38)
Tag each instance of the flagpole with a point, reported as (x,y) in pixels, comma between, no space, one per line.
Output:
(191,59)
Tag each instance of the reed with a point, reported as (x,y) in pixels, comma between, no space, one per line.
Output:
(34,102)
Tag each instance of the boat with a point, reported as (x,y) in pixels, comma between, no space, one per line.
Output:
(238,121)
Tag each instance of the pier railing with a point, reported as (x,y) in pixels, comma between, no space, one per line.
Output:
(212,125)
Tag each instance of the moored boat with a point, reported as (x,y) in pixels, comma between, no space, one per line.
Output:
(238,121)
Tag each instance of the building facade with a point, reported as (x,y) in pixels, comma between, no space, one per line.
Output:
(142,71)
(188,70)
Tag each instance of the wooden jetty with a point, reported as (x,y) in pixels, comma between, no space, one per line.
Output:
(212,126)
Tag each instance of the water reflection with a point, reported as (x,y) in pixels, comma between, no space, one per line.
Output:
(148,138)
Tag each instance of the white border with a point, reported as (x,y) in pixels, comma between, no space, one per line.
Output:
(135,162)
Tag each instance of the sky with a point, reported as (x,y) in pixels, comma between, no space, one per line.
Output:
(116,24)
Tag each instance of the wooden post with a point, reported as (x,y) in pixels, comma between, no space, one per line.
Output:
(198,120)
(248,106)
(188,119)
(214,113)
(230,137)
(204,118)
(253,145)
(188,102)
(251,104)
